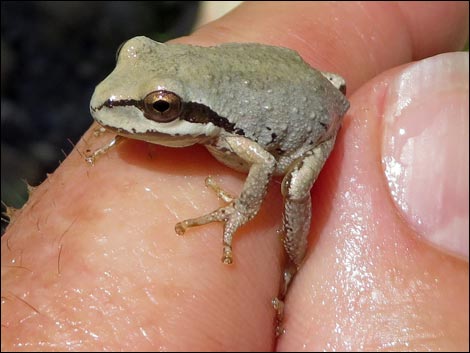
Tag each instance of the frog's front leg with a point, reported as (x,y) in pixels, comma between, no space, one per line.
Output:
(91,159)
(242,209)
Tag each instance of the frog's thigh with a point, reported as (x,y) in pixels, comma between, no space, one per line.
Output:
(296,187)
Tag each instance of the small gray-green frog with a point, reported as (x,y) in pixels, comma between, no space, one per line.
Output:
(257,108)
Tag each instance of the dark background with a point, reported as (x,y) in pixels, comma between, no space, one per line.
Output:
(52,56)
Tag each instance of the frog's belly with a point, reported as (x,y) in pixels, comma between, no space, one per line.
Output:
(231,160)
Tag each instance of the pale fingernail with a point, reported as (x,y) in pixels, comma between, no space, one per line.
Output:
(425,149)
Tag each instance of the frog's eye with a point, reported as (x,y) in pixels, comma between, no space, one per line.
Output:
(162,106)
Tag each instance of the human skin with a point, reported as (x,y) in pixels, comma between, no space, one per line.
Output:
(92,261)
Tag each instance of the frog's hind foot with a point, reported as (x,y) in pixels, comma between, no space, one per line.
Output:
(278,305)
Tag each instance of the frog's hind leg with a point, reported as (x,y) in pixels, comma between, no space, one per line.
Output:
(295,188)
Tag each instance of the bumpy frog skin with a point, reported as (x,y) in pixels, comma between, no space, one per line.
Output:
(257,108)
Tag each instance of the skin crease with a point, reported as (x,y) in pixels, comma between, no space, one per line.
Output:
(92,261)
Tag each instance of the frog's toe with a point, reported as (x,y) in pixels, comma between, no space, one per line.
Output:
(216,216)
(278,305)
(227,257)
(91,157)
(180,228)
(221,193)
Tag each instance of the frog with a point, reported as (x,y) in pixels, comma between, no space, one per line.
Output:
(258,109)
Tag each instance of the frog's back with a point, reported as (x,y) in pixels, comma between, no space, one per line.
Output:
(268,94)
(284,103)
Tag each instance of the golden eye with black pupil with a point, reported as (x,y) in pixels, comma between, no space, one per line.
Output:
(162,106)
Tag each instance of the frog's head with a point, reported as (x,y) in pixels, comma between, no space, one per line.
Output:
(143,98)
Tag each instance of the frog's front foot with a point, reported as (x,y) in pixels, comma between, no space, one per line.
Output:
(228,214)
(91,157)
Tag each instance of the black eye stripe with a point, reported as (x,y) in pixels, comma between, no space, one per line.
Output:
(121,103)
(190,111)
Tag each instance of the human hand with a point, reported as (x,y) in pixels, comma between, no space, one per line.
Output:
(92,261)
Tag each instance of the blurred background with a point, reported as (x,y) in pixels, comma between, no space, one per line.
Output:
(53,53)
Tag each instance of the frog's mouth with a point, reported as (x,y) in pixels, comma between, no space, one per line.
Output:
(160,138)
(129,121)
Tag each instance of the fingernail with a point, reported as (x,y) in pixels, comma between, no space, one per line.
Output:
(425,149)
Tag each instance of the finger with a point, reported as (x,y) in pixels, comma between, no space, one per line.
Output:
(380,276)
(95,248)
(357,41)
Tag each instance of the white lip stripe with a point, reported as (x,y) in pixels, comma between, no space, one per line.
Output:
(132,120)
